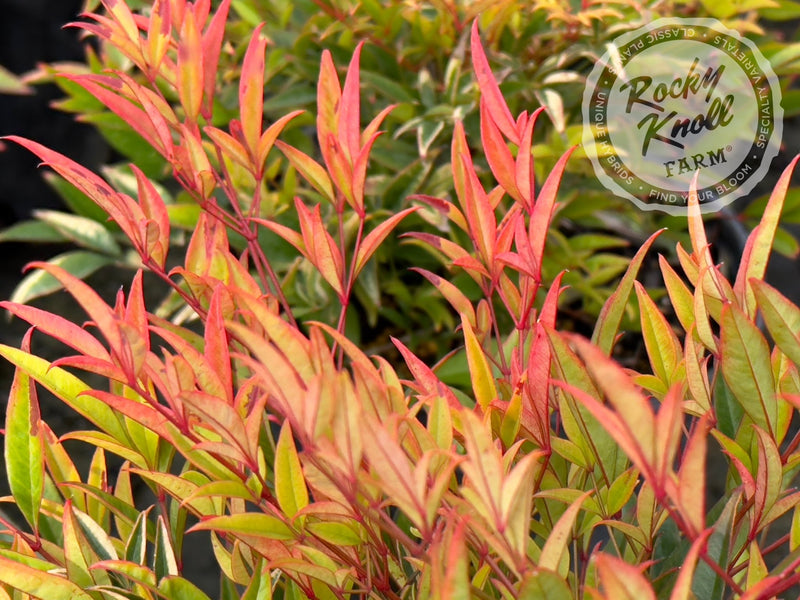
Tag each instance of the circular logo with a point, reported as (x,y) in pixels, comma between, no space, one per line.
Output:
(679,98)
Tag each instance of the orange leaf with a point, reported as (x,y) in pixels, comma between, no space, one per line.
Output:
(190,69)
(498,154)
(158,33)
(310,169)
(212,45)
(622,581)
(375,237)
(349,112)
(251,91)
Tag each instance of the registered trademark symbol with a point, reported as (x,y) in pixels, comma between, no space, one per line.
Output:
(728,148)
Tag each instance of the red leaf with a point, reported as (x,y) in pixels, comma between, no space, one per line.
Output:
(496,104)
(216,346)
(425,380)
(154,209)
(524,164)
(544,207)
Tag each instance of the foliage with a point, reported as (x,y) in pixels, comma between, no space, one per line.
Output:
(417,60)
(320,472)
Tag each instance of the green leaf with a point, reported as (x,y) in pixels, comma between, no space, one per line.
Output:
(177,588)
(544,584)
(290,485)
(605,330)
(782,317)
(707,584)
(79,263)
(747,368)
(68,388)
(24,457)
(11,84)
(32,232)
(165,563)
(481,372)
(78,202)
(83,231)
(39,584)
(257,525)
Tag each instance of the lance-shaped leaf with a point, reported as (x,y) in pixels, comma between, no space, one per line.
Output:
(747,368)
(349,110)
(782,317)
(559,538)
(212,45)
(24,457)
(523,166)
(269,137)
(375,237)
(68,388)
(759,244)
(622,581)
(662,344)
(158,33)
(769,477)
(691,482)
(310,169)
(190,68)
(452,294)
(605,331)
(290,485)
(497,153)
(450,565)
(251,91)
(544,207)
(483,385)
(496,104)
(155,210)
(321,248)
(39,583)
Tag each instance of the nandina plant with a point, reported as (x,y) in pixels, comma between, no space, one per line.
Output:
(320,472)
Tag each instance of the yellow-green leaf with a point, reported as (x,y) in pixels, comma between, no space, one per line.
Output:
(479,368)
(290,485)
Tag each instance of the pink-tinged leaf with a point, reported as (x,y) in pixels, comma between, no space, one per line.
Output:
(605,331)
(691,481)
(154,208)
(135,311)
(536,391)
(251,90)
(270,135)
(360,175)
(701,252)
(195,167)
(679,295)
(460,163)
(230,147)
(622,581)
(135,117)
(122,14)
(498,109)
(140,413)
(39,583)
(544,207)
(769,477)
(747,368)
(329,95)
(208,378)
(560,537)
(682,590)
(322,250)
(59,328)
(90,301)
(446,208)
(158,34)
(759,243)
(547,316)
(498,154)
(349,111)
(212,45)
(216,346)
(450,565)
(452,294)
(425,380)
(310,169)
(480,215)
(247,525)
(375,124)
(483,385)
(663,347)
(782,317)
(524,163)
(190,69)
(290,235)
(375,238)
(696,375)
